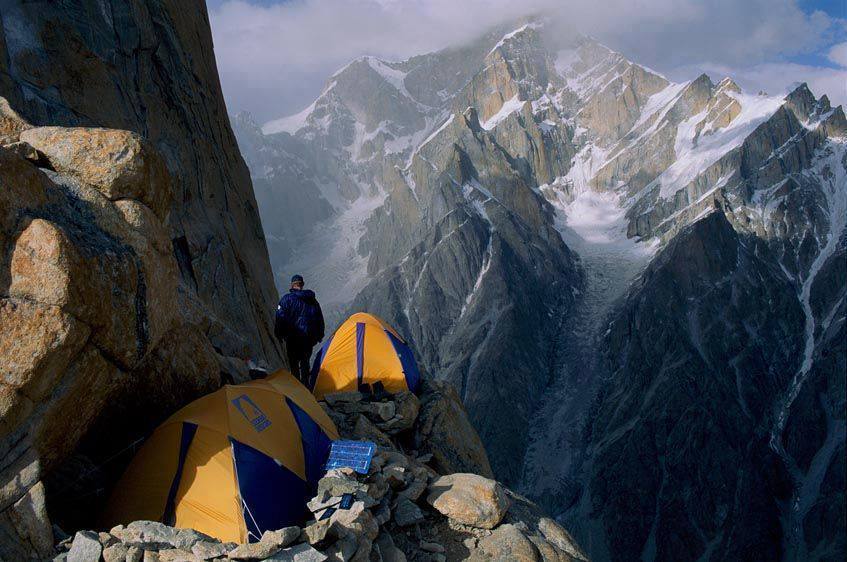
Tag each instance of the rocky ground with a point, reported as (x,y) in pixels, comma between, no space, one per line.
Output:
(410,505)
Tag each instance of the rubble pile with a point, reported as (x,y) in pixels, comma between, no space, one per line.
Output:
(402,509)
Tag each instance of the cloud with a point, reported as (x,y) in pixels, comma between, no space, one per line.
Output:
(274,59)
(775,78)
(838,54)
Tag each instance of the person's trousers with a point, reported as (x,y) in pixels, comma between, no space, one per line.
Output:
(299,354)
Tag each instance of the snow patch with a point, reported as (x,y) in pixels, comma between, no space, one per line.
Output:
(429,138)
(695,153)
(508,107)
(293,123)
(511,34)
(391,75)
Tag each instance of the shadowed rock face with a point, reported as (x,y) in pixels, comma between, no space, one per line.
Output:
(133,267)
(696,356)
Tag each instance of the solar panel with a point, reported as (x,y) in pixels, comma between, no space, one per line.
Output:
(354,454)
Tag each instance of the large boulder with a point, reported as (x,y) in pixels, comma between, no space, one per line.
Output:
(444,430)
(89,313)
(469,499)
(120,164)
(506,543)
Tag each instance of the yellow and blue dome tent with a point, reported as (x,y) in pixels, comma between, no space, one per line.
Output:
(364,350)
(235,463)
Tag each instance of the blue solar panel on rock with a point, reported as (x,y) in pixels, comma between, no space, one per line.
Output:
(354,454)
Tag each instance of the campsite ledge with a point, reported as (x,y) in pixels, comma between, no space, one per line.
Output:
(422,505)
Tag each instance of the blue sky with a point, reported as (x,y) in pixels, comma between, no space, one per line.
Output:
(274,56)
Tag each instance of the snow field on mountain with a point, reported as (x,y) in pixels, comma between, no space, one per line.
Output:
(696,152)
(329,258)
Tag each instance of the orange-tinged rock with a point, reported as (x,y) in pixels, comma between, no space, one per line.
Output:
(469,499)
(11,123)
(120,164)
(37,342)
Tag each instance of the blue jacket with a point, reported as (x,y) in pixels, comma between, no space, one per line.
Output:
(299,316)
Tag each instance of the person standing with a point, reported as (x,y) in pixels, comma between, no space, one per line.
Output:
(300,324)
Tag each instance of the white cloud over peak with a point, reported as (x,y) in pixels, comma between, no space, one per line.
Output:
(274,60)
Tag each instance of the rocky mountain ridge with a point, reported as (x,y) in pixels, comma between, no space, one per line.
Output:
(527,193)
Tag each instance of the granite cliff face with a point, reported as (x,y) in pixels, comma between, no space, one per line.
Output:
(150,69)
(133,267)
(636,286)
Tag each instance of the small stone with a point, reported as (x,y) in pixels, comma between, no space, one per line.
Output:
(335,398)
(547,551)
(560,538)
(432,547)
(413,491)
(148,535)
(151,556)
(365,430)
(378,461)
(342,472)
(253,551)
(134,554)
(357,520)
(106,539)
(395,476)
(321,502)
(177,555)
(282,537)
(24,150)
(115,553)
(344,549)
(388,551)
(85,548)
(470,543)
(395,457)
(407,513)
(382,513)
(297,553)
(407,408)
(337,483)
(187,538)
(206,550)
(382,411)
(318,532)
(377,486)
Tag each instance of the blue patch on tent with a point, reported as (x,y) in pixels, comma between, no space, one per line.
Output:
(360,351)
(316,444)
(251,412)
(272,497)
(316,366)
(407,360)
(186,437)
(354,454)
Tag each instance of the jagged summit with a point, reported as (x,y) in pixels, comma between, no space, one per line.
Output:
(505,199)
